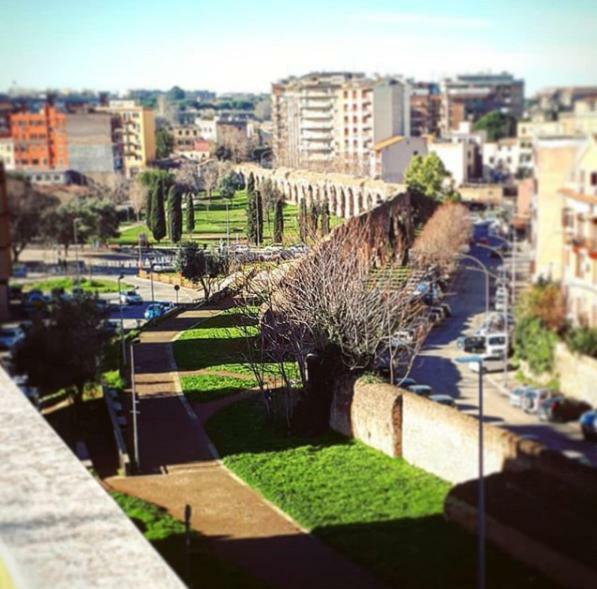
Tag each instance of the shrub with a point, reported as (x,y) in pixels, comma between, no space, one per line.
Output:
(535,344)
(583,340)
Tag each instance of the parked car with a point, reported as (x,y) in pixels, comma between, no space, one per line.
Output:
(404,383)
(473,344)
(35,299)
(533,398)
(153,311)
(423,390)
(102,305)
(588,424)
(131,297)
(11,337)
(446,308)
(437,315)
(560,408)
(516,396)
(443,400)
(495,346)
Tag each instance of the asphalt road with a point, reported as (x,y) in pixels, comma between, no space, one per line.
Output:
(436,366)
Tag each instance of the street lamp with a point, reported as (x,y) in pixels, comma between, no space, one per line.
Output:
(121,321)
(176,289)
(485,271)
(475,359)
(75,220)
(134,406)
(151,265)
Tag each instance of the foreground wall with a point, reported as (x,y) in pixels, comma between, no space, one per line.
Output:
(577,374)
(58,527)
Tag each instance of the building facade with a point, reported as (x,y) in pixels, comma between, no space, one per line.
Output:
(89,141)
(332,121)
(469,97)
(40,140)
(425,108)
(7,152)
(133,134)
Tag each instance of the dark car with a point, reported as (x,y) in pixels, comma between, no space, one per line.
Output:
(588,424)
(562,409)
(474,344)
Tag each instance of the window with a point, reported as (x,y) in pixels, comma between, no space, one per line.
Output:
(354,120)
(593,178)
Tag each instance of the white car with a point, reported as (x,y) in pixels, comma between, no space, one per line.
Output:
(131,297)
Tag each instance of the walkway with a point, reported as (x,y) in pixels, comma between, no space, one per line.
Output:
(178,458)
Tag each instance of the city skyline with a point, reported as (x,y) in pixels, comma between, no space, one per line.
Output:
(232,47)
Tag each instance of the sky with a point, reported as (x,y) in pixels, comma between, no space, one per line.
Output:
(236,46)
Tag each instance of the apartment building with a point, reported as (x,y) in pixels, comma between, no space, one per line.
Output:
(469,97)
(579,223)
(40,141)
(206,128)
(184,136)
(562,98)
(7,152)
(425,108)
(502,160)
(332,121)
(555,158)
(89,142)
(133,134)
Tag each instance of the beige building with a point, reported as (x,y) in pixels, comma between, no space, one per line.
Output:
(332,121)
(134,134)
(7,152)
(579,222)
(555,158)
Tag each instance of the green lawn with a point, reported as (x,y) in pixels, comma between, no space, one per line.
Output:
(94,285)
(220,344)
(379,511)
(166,534)
(211,222)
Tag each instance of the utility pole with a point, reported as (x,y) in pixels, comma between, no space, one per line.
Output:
(76,249)
(134,408)
(121,321)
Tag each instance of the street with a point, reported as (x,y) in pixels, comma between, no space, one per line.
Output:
(436,367)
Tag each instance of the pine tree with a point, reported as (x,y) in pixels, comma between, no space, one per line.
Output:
(325,217)
(302,220)
(279,222)
(190,212)
(174,214)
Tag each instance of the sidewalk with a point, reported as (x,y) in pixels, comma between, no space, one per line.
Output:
(239,524)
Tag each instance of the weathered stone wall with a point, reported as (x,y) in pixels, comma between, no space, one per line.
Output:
(444,441)
(577,374)
(369,413)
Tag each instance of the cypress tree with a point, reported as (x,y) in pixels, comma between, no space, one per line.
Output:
(174,214)
(302,220)
(250,184)
(251,217)
(279,222)
(259,219)
(190,213)
(325,217)
(149,198)
(158,216)
(313,218)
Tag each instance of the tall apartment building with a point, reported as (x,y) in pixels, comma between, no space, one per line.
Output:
(39,139)
(469,97)
(425,108)
(332,121)
(133,134)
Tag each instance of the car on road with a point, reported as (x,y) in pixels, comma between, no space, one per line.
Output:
(423,390)
(437,315)
(472,344)
(446,309)
(153,311)
(533,398)
(562,409)
(131,297)
(516,396)
(404,383)
(443,400)
(11,337)
(588,424)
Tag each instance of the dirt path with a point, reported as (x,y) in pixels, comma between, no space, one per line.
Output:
(178,459)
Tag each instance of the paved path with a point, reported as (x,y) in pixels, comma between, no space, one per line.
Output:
(181,469)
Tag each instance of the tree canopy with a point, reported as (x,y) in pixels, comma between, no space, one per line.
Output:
(164,143)
(497,125)
(427,175)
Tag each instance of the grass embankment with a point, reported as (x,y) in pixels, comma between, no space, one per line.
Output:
(379,511)
(218,348)
(95,285)
(211,221)
(167,536)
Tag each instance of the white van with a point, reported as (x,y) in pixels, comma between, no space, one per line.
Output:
(495,346)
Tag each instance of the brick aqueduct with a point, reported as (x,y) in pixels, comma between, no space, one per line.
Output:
(348,196)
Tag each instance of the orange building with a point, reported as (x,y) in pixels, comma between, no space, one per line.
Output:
(39,139)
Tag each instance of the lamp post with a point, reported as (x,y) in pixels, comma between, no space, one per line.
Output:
(176,289)
(474,359)
(485,271)
(506,306)
(134,406)
(121,321)
(75,239)
(151,265)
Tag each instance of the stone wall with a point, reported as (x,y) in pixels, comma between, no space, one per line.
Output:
(445,442)
(577,374)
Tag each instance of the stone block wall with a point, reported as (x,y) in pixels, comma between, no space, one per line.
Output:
(577,374)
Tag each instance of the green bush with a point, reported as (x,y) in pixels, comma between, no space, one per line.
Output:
(535,344)
(583,340)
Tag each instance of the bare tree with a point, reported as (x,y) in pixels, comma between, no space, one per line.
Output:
(445,235)
(209,176)
(138,197)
